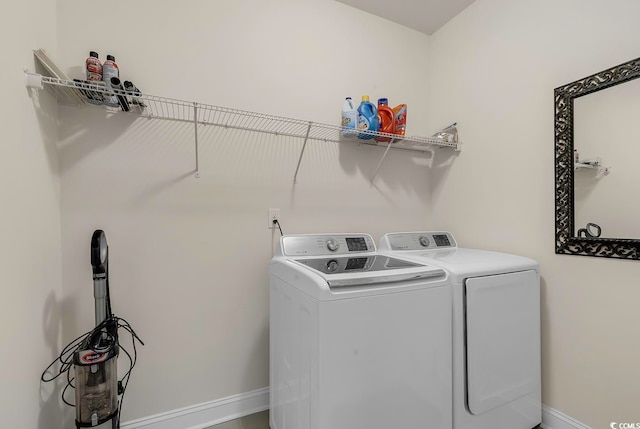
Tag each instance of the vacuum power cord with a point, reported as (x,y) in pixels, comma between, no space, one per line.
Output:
(65,359)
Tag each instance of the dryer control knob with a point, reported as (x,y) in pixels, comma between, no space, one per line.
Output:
(424,241)
(332,265)
(332,245)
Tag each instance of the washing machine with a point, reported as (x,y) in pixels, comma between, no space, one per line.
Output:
(496,329)
(358,340)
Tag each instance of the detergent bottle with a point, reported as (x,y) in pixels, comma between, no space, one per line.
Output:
(400,117)
(349,118)
(387,121)
(367,118)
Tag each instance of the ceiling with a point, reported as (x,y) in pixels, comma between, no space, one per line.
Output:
(425,16)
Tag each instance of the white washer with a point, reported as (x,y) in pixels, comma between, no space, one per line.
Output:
(358,340)
(496,329)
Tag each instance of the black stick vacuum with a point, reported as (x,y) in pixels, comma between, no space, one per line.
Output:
(95,362)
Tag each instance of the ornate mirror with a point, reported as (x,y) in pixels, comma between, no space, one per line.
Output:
(597,170)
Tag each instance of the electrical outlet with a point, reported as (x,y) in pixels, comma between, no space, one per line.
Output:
(274,214)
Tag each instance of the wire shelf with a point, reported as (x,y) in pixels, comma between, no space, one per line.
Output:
(592,164)
(79,93)
(82,93)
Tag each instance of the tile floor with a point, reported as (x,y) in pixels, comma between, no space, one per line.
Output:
(253,421)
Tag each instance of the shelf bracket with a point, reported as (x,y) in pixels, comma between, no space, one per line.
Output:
(195,127)
(32,80)
(449,135)
(304,145)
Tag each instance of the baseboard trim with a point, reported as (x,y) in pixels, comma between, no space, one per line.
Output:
(232,407)
(554,419)
(207,414)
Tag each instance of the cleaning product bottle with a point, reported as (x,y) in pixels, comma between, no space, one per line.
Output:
(110,69)
(400,118)
(367,118)
(387,121)
(349,118)
(93,67)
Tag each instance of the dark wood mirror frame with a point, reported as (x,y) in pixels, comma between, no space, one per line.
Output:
(567,243)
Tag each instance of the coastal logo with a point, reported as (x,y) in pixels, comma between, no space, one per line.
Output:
(615,425)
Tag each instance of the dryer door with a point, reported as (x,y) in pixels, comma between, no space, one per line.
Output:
(503,339)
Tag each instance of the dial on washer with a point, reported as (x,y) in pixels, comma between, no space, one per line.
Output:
(332,245)
(424,241)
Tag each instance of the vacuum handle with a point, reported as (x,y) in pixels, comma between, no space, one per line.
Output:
(100,298)
(99,262)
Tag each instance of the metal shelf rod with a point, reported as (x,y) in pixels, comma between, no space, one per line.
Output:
(304,145)
(380,164)
(195,126)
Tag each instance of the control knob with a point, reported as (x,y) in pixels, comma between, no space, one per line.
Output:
(332,265)
(424,241)
(332,245)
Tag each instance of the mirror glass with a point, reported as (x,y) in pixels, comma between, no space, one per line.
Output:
(607,148)
(597,125)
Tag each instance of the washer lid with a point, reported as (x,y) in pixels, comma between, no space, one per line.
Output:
(474,262)
(369,269)
(354,264)
(440,249)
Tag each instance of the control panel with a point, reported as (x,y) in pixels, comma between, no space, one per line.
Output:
(339,265)
(417,241)
(326,244)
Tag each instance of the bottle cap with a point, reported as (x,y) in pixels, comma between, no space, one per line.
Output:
(365,98)
(93,54)
(111,58)
(348,98)
(383,101)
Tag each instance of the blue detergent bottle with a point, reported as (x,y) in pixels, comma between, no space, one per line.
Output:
(367,118)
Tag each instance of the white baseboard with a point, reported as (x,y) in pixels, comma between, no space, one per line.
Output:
(232,407)
(554,419)
(208,414)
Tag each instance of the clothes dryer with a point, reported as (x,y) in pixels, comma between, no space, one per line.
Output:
(496,329)
(358,340)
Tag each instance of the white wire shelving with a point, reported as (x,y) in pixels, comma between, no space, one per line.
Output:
(81,93)
(593,164)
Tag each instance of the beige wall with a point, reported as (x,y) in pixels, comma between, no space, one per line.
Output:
(195,292)
(497,65)
(189,256)
(29,222)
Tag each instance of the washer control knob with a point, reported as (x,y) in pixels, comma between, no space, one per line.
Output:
(332,265)
(424,241)
(332,245)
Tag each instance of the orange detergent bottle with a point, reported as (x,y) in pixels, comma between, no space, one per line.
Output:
(387,121)
(400,117)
